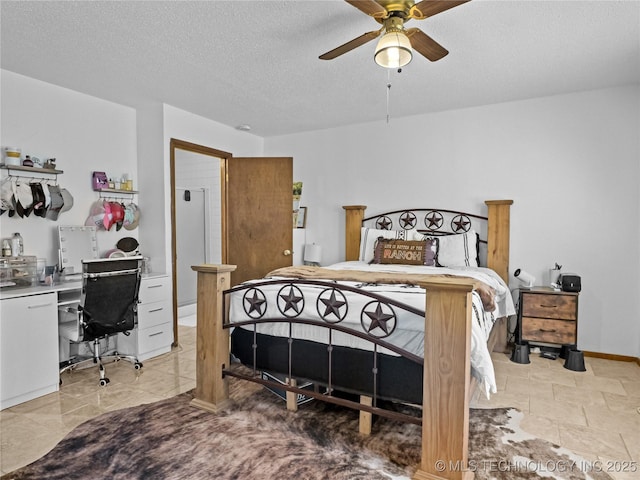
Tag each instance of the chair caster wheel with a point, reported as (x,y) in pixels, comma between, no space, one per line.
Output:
(137,365)
(103,382)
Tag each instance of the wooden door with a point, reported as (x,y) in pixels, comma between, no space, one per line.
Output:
(259,223)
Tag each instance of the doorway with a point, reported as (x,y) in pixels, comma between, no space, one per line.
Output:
(197,203)
(250,213)
(197,240)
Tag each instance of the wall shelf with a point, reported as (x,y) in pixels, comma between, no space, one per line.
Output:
(20,168)
(117,191)
(117,194)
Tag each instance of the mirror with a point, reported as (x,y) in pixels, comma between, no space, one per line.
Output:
(77,243)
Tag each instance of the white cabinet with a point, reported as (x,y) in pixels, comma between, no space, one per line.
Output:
(154,334)
(28,348)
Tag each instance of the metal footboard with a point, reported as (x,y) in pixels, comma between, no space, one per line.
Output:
(322,304)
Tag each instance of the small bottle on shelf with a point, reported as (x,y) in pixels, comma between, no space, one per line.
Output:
(127,182)
(19,244)
(111,184)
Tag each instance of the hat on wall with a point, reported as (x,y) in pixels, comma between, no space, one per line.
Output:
(117,210)
(129,214)
(38,206)
(56,202)
(67,200)
(96,215)
(6,196)
(47,194)
(107,221)
(24,199)
(133,224)
(14,198)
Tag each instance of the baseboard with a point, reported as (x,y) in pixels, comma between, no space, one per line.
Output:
(611,356)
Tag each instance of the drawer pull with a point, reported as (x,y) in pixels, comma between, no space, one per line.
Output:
(156,310)
(156,334)
(42,305)
(547,331)
(548,306)
(155,286)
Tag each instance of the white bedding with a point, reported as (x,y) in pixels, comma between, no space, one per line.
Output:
(409,331)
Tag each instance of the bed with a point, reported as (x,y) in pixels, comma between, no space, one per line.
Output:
(417,333)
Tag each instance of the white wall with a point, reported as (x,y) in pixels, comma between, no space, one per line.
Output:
(569,162)
(84,134)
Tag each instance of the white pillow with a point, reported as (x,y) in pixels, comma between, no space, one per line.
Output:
(368,237)
(458,250)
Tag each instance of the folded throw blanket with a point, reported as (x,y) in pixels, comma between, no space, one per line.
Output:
(487,293)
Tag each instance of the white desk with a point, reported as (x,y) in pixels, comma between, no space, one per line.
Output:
(29,344)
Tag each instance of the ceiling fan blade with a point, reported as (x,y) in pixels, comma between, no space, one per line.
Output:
(370,7)
(425,45)
(350,45)
(429,8)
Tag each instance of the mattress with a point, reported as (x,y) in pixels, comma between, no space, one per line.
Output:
(270,301)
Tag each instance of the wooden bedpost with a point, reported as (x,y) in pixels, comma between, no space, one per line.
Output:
(446,389)
(498,237)
(354,217)
(212,341)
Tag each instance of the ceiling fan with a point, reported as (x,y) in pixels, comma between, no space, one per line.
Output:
(394,47)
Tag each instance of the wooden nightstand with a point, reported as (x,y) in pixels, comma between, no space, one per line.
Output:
(547,316)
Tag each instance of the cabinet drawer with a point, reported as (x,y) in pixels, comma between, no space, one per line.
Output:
(155,338)
(151,314)
(563,307)
(550,331)
(154,289)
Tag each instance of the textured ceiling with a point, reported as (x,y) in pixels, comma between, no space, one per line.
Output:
(256,62)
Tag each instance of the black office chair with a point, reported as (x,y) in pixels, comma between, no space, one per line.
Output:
(108,305)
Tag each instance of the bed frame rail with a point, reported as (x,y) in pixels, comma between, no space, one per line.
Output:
(327,304)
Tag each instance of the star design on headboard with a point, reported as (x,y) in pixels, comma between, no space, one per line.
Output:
(461,222)
(253,304)
(433,220)
(408,220)
(332,305)
(378,319)
(384,223)
(292,300)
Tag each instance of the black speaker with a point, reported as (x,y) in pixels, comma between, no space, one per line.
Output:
(570,282)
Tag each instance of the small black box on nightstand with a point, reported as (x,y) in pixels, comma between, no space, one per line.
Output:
(570,282)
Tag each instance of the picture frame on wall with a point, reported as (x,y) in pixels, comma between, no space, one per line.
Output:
(301,221)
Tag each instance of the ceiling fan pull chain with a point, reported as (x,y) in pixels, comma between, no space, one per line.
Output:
(388,92)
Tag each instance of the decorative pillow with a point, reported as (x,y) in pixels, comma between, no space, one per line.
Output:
(405,252)
(460,250)
(369,236)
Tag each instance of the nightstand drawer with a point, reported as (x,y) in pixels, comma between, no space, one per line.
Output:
(550,331)
(542,305)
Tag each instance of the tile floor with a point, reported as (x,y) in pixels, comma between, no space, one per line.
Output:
(594,413)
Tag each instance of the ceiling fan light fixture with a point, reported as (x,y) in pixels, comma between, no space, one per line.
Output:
(393,50)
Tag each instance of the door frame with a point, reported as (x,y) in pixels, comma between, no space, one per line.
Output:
(217,155)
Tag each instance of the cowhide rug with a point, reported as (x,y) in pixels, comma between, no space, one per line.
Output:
(257,438)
